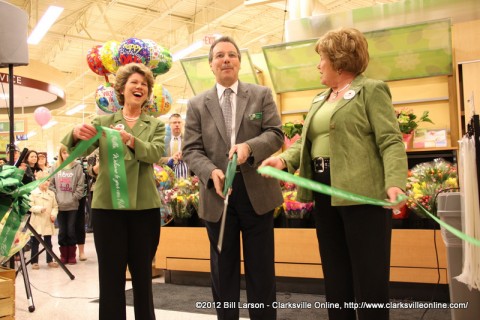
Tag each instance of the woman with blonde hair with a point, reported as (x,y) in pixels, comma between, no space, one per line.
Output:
(68,185)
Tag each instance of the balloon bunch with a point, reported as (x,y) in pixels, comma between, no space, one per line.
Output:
(107,58)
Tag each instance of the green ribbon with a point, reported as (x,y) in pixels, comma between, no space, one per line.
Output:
(15,199)
(453,230)
(118,175)
(322,188)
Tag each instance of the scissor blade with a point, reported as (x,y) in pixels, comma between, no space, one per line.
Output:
(222,224)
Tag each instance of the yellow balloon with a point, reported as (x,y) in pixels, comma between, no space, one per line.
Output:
(109,55)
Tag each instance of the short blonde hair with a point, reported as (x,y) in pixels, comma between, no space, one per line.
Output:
(124,72)
(346,48)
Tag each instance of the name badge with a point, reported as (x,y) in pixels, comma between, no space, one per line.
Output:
(256,116)
(319,98)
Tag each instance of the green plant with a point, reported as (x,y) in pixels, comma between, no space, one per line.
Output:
(290,129)
(408,122)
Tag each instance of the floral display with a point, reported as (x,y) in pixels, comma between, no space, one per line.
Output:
(164,177)
(408,121)
(183,198)
(294,209)
(426,180)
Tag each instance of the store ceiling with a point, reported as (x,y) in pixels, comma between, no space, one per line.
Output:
(173,24)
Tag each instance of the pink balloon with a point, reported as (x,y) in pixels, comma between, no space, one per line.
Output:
(42,116)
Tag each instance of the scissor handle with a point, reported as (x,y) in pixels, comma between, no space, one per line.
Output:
(230,174)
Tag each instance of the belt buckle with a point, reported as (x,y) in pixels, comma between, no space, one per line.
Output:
(319,165)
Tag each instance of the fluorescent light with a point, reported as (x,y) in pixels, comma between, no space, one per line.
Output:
(3,96)
(50,124)
(75,109)
(47,20)
(185,52)
(31,134)
(182,101)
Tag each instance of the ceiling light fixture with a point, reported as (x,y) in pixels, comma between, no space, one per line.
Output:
(50,124)
(182,101)
(47,20)
(185,52)
(75,109)
(31,134)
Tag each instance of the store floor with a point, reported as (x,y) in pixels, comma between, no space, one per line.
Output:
(56,297)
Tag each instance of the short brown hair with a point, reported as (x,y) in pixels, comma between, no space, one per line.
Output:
(346,48)
(124,72)
(223,39)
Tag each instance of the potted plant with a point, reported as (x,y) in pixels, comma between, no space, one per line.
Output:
(408,122)
(292,131)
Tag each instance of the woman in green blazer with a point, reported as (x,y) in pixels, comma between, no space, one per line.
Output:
(351,140)
(127,237)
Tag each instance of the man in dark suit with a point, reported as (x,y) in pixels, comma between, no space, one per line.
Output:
(254,133)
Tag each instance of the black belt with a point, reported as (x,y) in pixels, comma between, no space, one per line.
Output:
(320,164)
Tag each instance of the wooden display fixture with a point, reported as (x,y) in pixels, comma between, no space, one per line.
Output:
(296,254)
(7,293)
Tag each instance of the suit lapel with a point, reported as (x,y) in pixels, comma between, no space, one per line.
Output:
(242,99)
(351,94)
(318,101)
(213,107)
(141,125)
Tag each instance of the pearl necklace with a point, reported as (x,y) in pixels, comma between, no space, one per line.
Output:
(335,94)
(130,119)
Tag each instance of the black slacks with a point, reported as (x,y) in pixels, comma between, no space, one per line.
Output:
(125,238)
(354,246)
(258,253)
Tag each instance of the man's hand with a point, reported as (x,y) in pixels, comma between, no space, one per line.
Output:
(218,178)
(243,152)
(177,156)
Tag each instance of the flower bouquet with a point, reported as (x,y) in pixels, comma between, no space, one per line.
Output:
(164,177)
(425,181)
(294,209)
(177,202)
(183,198)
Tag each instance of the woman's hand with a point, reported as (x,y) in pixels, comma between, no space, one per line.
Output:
(84,132)
(393,193)
(275,162)
(124,135)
